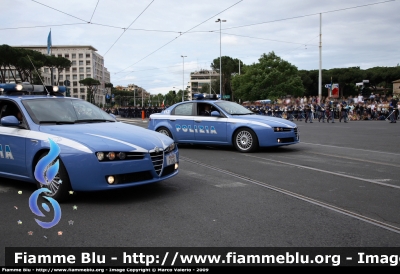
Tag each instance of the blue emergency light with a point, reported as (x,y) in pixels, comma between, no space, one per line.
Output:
(200,96)
(26,88)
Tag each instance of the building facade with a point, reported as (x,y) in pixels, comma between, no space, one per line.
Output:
(396,88)
(200,78)
(86,63)
(139,96)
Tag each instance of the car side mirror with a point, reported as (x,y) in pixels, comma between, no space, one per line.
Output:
(215,113)
(10,121)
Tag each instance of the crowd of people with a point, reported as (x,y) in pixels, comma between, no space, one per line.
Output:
(309,109)
(374,107)
(134,112)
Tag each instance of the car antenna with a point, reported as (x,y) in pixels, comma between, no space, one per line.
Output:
(48,94)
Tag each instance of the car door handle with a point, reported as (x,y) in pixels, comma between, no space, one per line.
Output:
(197,121)
(172,120)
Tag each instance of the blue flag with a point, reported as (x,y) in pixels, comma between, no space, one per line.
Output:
(49,43)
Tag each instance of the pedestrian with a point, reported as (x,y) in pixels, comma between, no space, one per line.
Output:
(309,112)
(331,110)
(343,111)
(321,112)
(392,109)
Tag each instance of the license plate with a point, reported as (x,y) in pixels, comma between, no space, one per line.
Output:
(171,159)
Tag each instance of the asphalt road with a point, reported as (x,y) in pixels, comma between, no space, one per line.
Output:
(339,187)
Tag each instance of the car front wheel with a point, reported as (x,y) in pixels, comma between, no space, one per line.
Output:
(245,140)
(165,131)
(60,185)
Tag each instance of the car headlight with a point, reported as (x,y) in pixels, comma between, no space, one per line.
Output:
(122,155)
(280,129)
(111,155)
(171,147)
(106,156)
(100,156)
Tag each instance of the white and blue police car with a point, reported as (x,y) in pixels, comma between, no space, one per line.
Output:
(94,150)
(218,122)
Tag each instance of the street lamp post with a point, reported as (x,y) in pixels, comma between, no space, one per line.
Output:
(210,81)
(183,76)
(142,96)
(220,60)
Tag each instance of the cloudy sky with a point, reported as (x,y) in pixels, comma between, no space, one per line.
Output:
(142,41)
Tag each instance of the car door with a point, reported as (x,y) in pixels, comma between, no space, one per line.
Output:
(210,129)
(181,121)
(12,144)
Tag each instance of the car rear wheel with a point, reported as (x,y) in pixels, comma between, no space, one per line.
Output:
(245,140)
(60,185)
(165,131)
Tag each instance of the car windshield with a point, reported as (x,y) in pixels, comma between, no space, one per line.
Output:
(233,108)
(64,111)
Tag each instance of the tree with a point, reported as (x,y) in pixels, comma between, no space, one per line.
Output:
(20,60)
(27,63)
(170,97)
(205,88)
(92,85)
(59,63)
(229,67)
(271,78)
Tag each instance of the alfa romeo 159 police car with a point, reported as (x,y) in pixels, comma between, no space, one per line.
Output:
(93,151)
(218,122)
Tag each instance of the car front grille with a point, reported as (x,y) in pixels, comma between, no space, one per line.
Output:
(287,140)
(133,177)
(158,160)
(296,132)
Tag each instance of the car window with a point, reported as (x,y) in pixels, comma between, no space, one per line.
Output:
(8,108)
(205,109)
(63,110)
(184,109)
(233,108)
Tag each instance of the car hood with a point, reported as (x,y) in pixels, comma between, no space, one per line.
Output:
(115,136)
(272,121)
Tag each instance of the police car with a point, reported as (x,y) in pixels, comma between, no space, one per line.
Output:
(218,122)
(91,149)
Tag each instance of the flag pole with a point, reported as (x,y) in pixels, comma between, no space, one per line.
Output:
(320,60)
(49,48)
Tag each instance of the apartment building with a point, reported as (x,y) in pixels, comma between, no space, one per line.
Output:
(86,63)
(200,78)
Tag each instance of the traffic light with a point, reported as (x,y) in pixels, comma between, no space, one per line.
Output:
(68,93)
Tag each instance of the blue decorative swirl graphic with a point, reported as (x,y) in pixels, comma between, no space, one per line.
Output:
(35,209)
(44,173)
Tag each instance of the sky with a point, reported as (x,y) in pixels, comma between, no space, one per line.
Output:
(143,41)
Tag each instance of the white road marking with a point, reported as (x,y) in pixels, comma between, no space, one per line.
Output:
(4,189)
(356,159)
(222,183)
(301,197)
(233,184)
(366,150)
(326,171)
